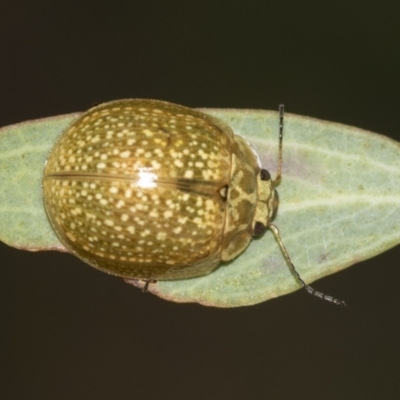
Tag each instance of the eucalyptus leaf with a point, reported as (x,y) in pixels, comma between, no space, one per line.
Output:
(24,149)
(339,203)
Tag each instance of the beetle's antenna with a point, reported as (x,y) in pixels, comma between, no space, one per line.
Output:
(277,179)
(308,288)
(275,230)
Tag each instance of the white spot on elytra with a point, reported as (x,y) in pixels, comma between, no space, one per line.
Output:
(168,214)
(120,204)
(178,163)
(125,154)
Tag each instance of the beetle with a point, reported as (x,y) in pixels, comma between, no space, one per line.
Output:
(151,190)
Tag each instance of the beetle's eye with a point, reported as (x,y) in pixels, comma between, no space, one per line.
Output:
(265,175)
(259,228)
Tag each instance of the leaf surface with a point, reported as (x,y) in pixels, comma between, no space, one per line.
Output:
(339,203)
(23,152)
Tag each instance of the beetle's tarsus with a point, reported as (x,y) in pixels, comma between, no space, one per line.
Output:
(145,287)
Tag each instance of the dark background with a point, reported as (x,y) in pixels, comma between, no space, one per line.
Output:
(71,332)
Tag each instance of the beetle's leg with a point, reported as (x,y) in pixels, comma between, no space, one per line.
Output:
(145,288)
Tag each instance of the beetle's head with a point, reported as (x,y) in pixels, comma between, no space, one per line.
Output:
(267,203)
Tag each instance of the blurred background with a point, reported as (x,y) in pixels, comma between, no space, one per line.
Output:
(71,332)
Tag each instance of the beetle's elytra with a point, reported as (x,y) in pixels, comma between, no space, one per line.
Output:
(151,190)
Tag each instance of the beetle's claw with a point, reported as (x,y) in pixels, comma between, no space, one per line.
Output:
(145,287)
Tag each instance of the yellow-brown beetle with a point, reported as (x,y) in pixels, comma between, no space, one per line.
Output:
(151,190)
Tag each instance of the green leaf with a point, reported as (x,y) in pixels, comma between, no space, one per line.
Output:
(339,203)
(23,152)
